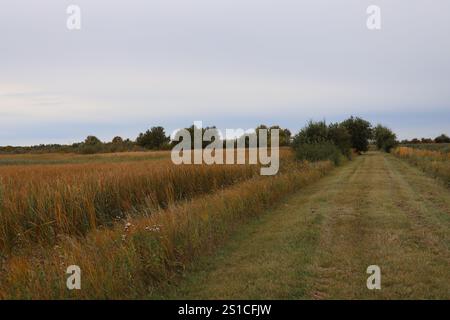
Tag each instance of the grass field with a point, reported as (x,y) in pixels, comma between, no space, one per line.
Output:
(318,243)
(435,162)
(140,227)
(105,214)
(442,147)
(67,158)
(231,150)
(40,202)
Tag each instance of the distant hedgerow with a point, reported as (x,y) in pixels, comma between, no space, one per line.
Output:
(318,141)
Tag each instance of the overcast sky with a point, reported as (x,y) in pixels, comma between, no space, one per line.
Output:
(230,63)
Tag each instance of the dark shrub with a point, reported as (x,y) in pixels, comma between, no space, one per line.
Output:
(155,138)
(341,138)
(384,138)
(360,131)
(318,152)
(442,139)
(313,132)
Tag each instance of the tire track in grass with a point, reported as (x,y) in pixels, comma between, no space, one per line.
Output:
(338,268)
(417,255)
(269,257)
(319,243)
(431,192)
(394,229)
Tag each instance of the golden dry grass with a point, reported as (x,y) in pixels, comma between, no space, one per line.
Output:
(62,158)
(436,163)
(39,203)
(135,257)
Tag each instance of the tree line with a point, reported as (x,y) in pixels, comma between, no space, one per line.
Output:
(315,141)
(443,138)
(335,141)
(154,138)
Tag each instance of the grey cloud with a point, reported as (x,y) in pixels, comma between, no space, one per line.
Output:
(255,59)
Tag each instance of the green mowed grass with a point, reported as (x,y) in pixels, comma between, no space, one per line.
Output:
(376,210)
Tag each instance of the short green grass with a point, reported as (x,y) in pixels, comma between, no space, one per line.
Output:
(318,244)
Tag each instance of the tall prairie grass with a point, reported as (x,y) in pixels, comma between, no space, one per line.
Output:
(39,203)
(436,163)
(443,147)
(135,258)
(67,158)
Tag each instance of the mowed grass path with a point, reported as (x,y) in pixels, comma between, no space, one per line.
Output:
(320,241)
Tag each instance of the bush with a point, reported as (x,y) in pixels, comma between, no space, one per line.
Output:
(384,138)
(341,138)
(90,149)
(442,139)
(318,152)
(313,132)
(318,141)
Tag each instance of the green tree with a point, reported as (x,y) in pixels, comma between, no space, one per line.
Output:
(360,131)
(92,141)
(117,140)
(317,141)
(257,130)
(91,145)
(193,130)
(384,138)
(155,139)
(341,138)
(285,135)
(215,133)
(313,132)
(442,139)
